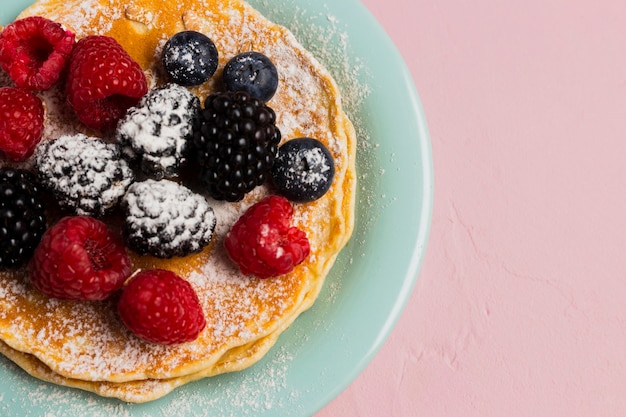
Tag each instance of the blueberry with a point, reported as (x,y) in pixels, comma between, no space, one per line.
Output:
(189,58)
(253,73)
(303,170)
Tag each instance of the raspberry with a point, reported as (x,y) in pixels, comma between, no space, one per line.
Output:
(161,307)
(34,52)
(262,242)
(79,259)
(21,122)
(103,82)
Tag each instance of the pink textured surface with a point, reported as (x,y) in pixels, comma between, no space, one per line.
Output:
(520,308)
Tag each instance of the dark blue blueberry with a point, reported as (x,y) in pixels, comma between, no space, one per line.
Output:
(303,170)
(189,58)
(253,73)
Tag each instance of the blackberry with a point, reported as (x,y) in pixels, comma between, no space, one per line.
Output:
(303,170)
(189,58)
(236,139)
(253,73)
(166,219)
(87,175)
(156,131)
(22,216)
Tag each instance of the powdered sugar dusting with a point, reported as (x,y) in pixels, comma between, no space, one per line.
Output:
(316,160)
(86,173)
(324,36)
(157,130)
(85,11)
(167,217)
(219,284)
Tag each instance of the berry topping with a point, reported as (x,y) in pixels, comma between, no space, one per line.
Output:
(236,140)
(166,219)
(87,175)
(253,73)
(157,130)
(160,307)
(22,216)
(263,243)
(21,122)
(79,259)
(189,58)
(34,51)
(103,82)
(303,170)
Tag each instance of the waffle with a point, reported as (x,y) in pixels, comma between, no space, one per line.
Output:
(83,344)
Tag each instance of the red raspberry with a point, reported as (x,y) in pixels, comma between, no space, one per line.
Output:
(161,307)
(21,122)
(103,81)
(79,259)
(262,242)
(34,52)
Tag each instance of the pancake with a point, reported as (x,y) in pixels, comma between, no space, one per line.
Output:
(84,344)
(147,389)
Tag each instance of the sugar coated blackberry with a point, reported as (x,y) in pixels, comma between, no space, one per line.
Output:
(189,58)
(166,219)
(156,132)
(22,216)
(87,175)
(303,170)
(236,140)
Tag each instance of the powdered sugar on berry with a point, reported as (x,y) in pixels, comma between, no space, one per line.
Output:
(165,219)
(86,174)
(158,129)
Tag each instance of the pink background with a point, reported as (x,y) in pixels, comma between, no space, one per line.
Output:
(520,307)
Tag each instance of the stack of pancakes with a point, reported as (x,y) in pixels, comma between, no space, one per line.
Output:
(84,344)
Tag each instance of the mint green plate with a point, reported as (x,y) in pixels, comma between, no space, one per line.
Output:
(327,347)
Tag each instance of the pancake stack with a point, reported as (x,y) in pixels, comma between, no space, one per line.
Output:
(84,344)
